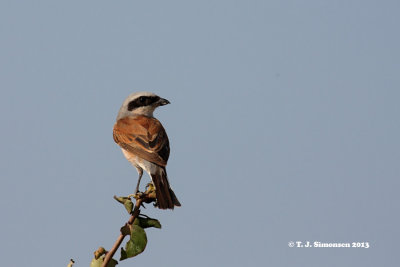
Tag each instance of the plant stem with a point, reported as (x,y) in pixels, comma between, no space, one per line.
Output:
(135,214)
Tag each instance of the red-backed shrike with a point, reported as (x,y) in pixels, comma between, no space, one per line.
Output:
(145,144)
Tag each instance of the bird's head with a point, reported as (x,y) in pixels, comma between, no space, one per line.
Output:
(141,103)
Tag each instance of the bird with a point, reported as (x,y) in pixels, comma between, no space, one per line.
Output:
(144,143)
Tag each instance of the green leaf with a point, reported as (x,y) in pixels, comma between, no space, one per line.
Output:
(126,201)
(136,244)
(123,254)
(99,262)
(128,204)
(146,222)
(136,221)
(120,199)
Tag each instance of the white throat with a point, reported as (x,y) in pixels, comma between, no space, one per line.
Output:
(143,111)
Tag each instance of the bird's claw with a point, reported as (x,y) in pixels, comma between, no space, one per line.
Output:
(137,195)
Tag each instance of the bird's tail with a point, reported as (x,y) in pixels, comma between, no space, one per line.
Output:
(166,198)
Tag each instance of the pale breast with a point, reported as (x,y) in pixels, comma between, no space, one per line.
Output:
(138,162)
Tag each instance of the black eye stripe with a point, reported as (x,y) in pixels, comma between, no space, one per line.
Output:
(142,101)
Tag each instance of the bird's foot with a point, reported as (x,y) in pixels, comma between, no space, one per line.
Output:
(150,187)
(137,195)
(149,195)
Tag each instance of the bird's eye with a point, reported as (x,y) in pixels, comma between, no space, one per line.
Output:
(141,99)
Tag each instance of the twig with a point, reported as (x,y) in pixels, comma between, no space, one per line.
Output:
(135,214)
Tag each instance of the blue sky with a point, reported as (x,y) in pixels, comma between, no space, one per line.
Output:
(283,123)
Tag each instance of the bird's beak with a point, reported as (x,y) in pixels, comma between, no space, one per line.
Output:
(163,102)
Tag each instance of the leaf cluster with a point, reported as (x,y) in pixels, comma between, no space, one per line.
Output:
(138,238)
(135,230)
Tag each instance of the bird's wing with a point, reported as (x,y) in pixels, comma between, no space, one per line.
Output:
(144,137)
